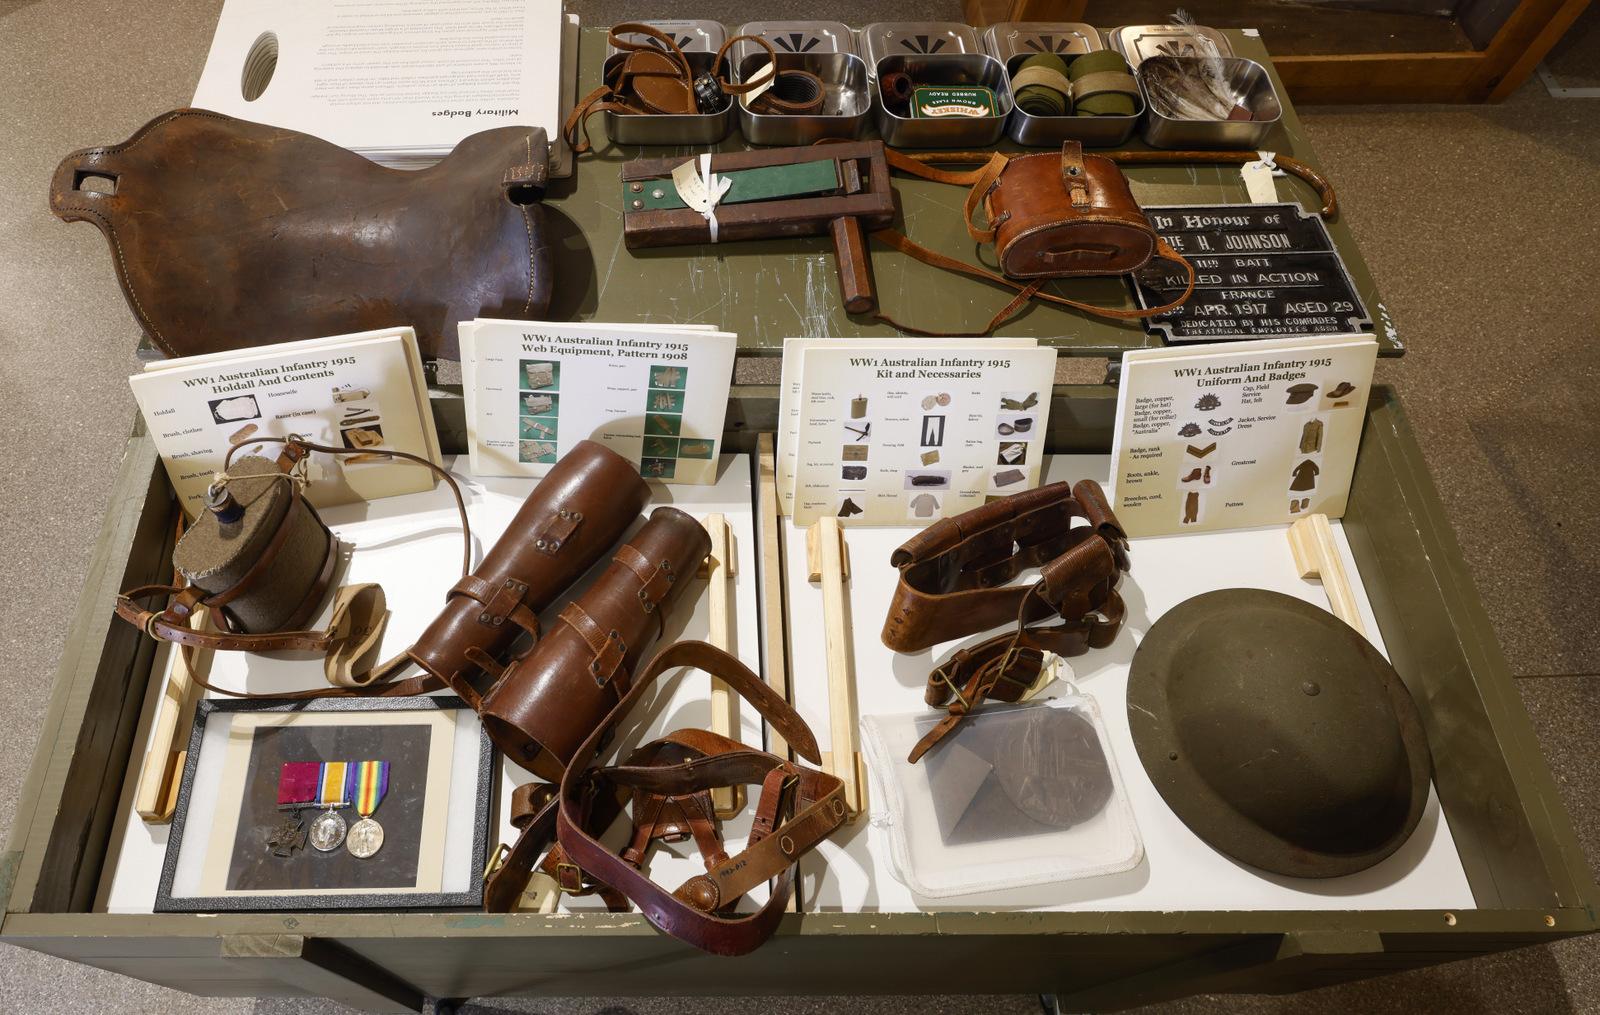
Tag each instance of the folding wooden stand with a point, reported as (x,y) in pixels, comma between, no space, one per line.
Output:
(828,561)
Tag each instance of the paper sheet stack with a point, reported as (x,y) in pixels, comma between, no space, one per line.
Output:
(401,84)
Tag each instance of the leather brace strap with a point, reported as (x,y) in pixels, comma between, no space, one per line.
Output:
(695,912)
(533,814)
(1007,667)
(608,648)
(1079,587)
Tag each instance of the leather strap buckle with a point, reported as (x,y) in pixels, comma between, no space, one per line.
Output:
(496,861)
(569,877)
(1003,667)
(942,677)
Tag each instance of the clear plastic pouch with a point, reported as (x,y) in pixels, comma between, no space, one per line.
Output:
(1017,795)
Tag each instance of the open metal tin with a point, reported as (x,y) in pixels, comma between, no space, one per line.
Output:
(824,48)
(1012,42)
(935,53)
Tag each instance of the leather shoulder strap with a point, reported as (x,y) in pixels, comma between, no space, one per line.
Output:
(691,913)
(1025,291)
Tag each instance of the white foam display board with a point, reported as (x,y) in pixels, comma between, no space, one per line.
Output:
(412,546)
(851,872)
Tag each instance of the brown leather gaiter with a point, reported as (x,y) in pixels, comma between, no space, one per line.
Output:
(550,700)
(577,512)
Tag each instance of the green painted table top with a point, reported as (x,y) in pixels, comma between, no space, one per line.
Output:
(768,290)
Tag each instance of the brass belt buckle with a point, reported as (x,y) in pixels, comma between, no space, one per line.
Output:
(573,886)
(496,861)
(942,677)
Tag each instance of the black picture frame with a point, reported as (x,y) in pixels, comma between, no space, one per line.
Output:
(484,786)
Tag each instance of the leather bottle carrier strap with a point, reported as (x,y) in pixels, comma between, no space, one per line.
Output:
(667,783)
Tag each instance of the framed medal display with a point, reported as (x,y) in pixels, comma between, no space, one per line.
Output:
(333,803)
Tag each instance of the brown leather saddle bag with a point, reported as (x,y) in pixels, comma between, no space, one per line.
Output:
(227,234)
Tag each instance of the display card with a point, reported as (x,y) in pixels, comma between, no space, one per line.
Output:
(907,436)
(794,350)
(655,395)
(364,392)
(1240,434)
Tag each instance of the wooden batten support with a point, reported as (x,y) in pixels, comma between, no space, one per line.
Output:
(1316,555)
(775,653)
(719,568)
(828,562)
(157,796)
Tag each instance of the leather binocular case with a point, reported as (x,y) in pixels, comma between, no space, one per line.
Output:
(953,574)
(1049,215)
(268,547)
(549,700)
(577,512)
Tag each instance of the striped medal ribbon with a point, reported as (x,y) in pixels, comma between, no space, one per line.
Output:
(334,784)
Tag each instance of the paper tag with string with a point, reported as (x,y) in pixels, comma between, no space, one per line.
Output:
(1258,179)
(701,189)
(767,75)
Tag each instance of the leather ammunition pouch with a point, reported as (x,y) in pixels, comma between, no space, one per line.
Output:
(546,702)
(576,513)
(953,577)
(227,234)
(665,785)
(1049,216)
